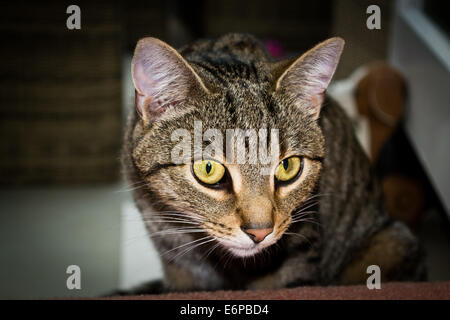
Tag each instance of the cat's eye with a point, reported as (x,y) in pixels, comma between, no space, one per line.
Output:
(288,169)
(208,171)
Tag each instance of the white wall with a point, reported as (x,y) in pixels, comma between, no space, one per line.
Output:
(422,53)
(139,261)
(44,230)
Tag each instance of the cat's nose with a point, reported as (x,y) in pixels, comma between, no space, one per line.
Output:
(258,235)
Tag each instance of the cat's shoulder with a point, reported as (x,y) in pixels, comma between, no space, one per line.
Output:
(332,114)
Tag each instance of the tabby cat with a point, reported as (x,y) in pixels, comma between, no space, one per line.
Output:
(317,218)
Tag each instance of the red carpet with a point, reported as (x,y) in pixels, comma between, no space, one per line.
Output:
(390,291)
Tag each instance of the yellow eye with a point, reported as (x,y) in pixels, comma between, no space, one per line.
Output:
(208,171)
(288,169)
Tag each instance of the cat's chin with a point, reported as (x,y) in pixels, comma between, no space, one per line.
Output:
(245,252)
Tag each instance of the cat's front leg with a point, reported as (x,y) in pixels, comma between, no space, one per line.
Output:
(266,282)
(191,276)
(295,271)
(394,250)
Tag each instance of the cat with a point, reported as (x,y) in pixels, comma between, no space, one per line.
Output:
(318,218)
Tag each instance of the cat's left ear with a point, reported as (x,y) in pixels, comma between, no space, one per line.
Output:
(306,79)
(162,78)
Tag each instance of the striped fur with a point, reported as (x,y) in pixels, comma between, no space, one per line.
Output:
(347,226)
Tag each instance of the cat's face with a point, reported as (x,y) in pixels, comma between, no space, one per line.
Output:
(244,203)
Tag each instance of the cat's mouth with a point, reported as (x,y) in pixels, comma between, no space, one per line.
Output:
(242,246)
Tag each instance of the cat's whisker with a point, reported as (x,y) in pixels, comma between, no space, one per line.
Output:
(307,220)
(133,184)
(181,216)
(309,215)
(132,188)
(313,221)
(230,257)
(317,195)
(171,217)
(307,207)
(177,213)
(171,230)
(315,198)
(211,250)
(163,233)
(303,217)
(163,219)
(298,235)
(166,232)
(185,244)
(179,255)
(302,214)
(174,214)
(173,221)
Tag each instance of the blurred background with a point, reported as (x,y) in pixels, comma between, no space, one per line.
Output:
(65,95)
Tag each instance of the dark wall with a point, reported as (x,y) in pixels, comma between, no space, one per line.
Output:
(60,93)
(60,89)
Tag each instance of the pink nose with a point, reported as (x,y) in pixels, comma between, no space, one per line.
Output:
(258,235)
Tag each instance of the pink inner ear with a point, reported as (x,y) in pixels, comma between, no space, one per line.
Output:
(321,69)
(162,78)
(150,93)
(142,81)
(143,85)
(319,74)
(309,76)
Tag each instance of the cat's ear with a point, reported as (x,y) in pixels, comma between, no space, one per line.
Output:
(162,78)
(306,79)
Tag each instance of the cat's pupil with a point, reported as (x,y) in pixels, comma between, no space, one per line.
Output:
(285,164)
(208,167)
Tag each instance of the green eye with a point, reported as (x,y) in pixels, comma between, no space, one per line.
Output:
(288,169)
(208,171)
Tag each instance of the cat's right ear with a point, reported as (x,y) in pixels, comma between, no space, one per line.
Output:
(305,80)
(162,78)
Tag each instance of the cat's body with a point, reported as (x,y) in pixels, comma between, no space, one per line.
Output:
(344,227)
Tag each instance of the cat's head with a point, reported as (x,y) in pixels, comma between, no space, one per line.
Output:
(244,203)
